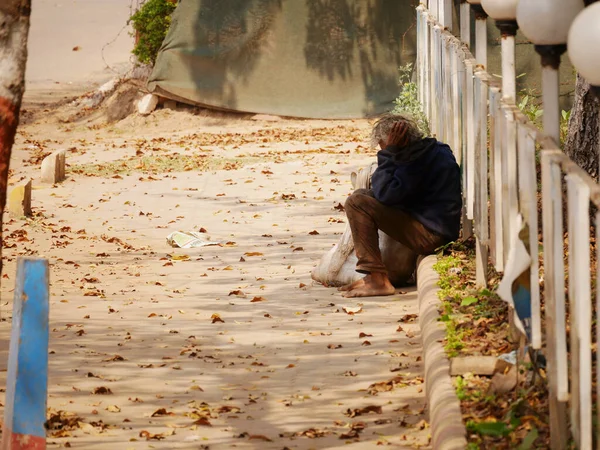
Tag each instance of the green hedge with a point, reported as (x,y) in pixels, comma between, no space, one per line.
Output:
(151,23)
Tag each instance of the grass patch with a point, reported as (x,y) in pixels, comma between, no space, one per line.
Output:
(157,164)
(477,324)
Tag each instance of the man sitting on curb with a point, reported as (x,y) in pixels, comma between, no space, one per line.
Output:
(415,199)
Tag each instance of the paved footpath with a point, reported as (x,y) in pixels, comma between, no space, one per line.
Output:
(229,346)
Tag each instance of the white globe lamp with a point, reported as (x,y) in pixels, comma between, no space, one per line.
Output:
(546,24)
(500,9)
(584,45)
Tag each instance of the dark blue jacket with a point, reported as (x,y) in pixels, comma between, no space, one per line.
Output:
(424,180)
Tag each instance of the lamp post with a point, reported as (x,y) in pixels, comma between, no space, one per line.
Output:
(504,12)
(465,22)
(546,23)
(480,32)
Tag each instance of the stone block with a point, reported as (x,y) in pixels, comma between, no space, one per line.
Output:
(53,167)
(147,104)
(19,201)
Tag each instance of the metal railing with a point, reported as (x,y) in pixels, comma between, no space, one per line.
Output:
(502,155)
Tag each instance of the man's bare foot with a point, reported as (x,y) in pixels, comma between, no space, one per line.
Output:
(349,287)
(374,285)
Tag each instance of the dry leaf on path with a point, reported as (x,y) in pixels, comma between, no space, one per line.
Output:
(156,437)
(258,299)
(366,410)
(216,318)
(203,422)
(408,318)
(102,390)
(384,386)
(253,254)
(259,437)
(237,293)
(115,358)
(113,408)
(362,335)
(162,412)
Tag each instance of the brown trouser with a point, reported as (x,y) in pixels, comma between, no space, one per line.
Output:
(366,216)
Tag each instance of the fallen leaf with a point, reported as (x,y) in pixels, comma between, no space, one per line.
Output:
(115,358)
(366,410)
(253,254)
(313,233)
(408,318)
(101,390)
(237,293)
(162,412)
(216,318)
(113,408)
(259,437)
(203,422)
(384,386)
(334,347)
(156,437)
(362,335)
(258,299)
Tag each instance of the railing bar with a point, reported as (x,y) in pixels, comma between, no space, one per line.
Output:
(470,166)
(555,351)
(581,279)
(493,98)
(574,305)
(597,226)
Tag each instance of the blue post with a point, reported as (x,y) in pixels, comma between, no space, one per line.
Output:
(27,381)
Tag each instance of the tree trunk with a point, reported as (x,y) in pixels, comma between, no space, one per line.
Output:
(14,28)
(582,144)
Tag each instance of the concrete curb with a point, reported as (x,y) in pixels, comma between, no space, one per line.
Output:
(447,429)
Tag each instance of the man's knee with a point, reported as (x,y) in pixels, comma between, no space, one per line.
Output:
(357,197)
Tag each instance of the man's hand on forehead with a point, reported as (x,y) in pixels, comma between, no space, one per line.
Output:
(398,135)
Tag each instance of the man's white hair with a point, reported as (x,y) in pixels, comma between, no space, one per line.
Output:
(383,126)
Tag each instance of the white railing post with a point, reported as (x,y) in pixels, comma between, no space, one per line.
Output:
(509,177)
(597,224)
(447,99)
(529,209)
(482,230)
(420,58)
(554,296)
(456,109)
(580,298)
(574,318)
(426,66)
(438,89)
(470,140)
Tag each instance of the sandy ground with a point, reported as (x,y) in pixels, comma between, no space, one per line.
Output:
(229,346)
(75,45)
(287,367)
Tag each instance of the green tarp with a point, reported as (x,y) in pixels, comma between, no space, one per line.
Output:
(301,58)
